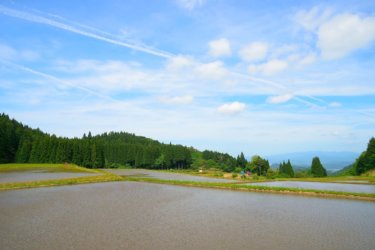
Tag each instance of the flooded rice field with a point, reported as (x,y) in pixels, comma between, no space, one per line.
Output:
(343,187)
(35,175)
(132,215)
(164,175)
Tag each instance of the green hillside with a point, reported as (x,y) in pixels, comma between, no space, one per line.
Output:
(22,144)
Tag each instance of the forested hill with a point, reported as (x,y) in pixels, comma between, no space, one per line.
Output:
(22,144)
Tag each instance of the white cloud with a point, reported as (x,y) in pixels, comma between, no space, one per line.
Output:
(344,34)
(254,51)
(279,98)
(185,99)
(212,71)
(232,108)
(179,62)
(271,67)
(219,47)
(190,4)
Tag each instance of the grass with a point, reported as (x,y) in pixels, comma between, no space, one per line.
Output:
(370,173)
(47,167)
(254,188)
(333,179)
(101,176)
(206,173)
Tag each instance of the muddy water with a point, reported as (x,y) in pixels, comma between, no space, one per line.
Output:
(344,187)
(164,175)
(34,175)
(129,215)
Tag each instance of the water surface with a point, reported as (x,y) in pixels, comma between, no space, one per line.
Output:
(343,187)
(130,215)
(36,175)
(165,175)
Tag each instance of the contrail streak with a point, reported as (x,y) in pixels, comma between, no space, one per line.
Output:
(47,21)
(277,86)
(55,79)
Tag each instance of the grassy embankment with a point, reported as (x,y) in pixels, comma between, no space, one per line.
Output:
(99,175)
(253,188)
(334,179)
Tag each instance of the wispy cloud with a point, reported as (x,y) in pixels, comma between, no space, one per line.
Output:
(7,52)
(279,98)
(190,4)
(80,30)
(271,67)
(209,71)
(185,99)
(313,18)
(179,62)
(55,79)
(212,71)
(255,51)
(335,104)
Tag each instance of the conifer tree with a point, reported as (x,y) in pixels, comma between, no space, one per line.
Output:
(317,169)
(366,160)
(23,153)
(241,161)
(290,170)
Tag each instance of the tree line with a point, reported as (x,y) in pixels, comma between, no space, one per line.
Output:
(21,144)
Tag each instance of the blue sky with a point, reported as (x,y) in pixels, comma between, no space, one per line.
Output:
(262,77)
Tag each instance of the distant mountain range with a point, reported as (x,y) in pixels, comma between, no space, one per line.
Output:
(332,161)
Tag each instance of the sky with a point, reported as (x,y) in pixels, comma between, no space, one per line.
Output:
(259,77)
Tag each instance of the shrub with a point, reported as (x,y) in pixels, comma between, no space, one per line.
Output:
(271,174)
(237,170)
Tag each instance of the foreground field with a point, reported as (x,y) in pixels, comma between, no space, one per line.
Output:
(134,215)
